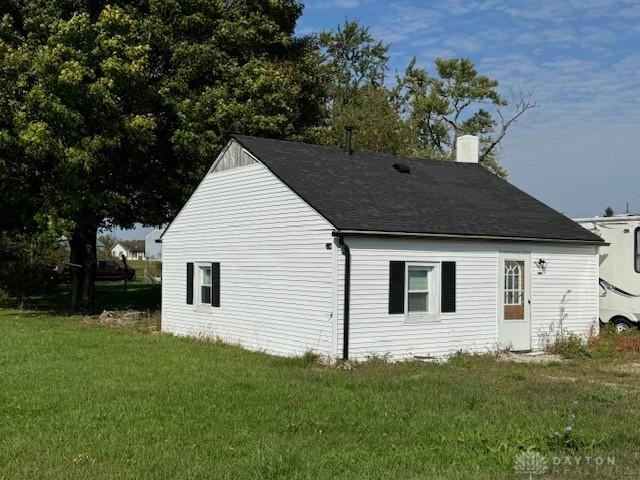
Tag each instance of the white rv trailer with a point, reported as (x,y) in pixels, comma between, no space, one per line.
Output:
(619,268)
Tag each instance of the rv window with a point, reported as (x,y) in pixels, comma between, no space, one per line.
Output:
(636,257)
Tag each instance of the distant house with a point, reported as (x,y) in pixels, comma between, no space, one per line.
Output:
(153,249)
(132,249)
(286,247)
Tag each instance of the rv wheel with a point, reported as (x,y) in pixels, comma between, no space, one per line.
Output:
(622,324)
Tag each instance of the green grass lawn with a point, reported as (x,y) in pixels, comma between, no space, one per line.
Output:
(153,267)
(83,400)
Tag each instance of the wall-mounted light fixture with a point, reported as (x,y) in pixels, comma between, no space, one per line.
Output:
(541,263)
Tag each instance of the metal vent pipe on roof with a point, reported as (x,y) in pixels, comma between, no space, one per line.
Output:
(402,168)
(348,140)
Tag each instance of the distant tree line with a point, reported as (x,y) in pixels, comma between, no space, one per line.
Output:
(111,112)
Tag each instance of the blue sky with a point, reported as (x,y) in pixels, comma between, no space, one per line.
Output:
(579,151)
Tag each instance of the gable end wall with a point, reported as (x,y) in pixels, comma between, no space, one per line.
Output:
(276,274)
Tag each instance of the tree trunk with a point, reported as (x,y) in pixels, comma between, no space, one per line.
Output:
(83,268)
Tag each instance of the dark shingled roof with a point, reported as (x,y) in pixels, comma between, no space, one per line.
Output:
(132,245)
(365,192)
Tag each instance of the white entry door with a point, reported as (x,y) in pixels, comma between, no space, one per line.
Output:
(514,314)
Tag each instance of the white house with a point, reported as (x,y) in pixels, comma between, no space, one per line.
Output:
(287,247)
(132,249)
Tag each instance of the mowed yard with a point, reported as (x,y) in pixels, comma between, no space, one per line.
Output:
(83,399)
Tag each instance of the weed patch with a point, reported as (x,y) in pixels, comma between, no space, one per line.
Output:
(603,395)
(569,346)
(609,342)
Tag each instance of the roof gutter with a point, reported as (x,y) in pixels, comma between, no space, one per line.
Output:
(347,295)
(470,237)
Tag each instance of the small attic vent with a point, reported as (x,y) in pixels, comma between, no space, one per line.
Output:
(402,168)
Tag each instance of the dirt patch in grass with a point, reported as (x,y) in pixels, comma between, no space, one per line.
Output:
(560,379)
(632,368)
(145,322)
(530,357)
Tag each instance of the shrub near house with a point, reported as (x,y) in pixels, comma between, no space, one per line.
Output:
(27,265)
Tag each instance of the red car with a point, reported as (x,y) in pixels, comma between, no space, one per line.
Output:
(105,270)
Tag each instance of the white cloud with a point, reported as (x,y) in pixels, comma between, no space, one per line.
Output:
(558,11)
(572,65)
(404,21)
(324,4)
(346,3)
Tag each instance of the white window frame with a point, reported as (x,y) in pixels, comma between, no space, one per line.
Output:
(515,291)
(198,284)
(434,292)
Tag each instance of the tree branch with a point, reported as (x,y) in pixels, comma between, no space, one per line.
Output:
(522,106)
(432,134)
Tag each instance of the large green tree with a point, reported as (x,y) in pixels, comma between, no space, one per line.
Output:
(441,107)
(377,121)
(356,66)
(419,114)
(354,59)
(110,112)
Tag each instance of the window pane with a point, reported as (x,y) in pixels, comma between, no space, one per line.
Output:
(418,302)
(205,294)
(206,275)
(418,278)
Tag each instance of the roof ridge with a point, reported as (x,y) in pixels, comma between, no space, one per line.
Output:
(356,153)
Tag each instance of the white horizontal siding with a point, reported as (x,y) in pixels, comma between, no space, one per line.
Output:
(373,331)
(474,325)
(276,274)
(570,281)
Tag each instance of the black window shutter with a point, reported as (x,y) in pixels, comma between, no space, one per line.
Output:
(396,287)
(448,287)
(189,283)
(215,284)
